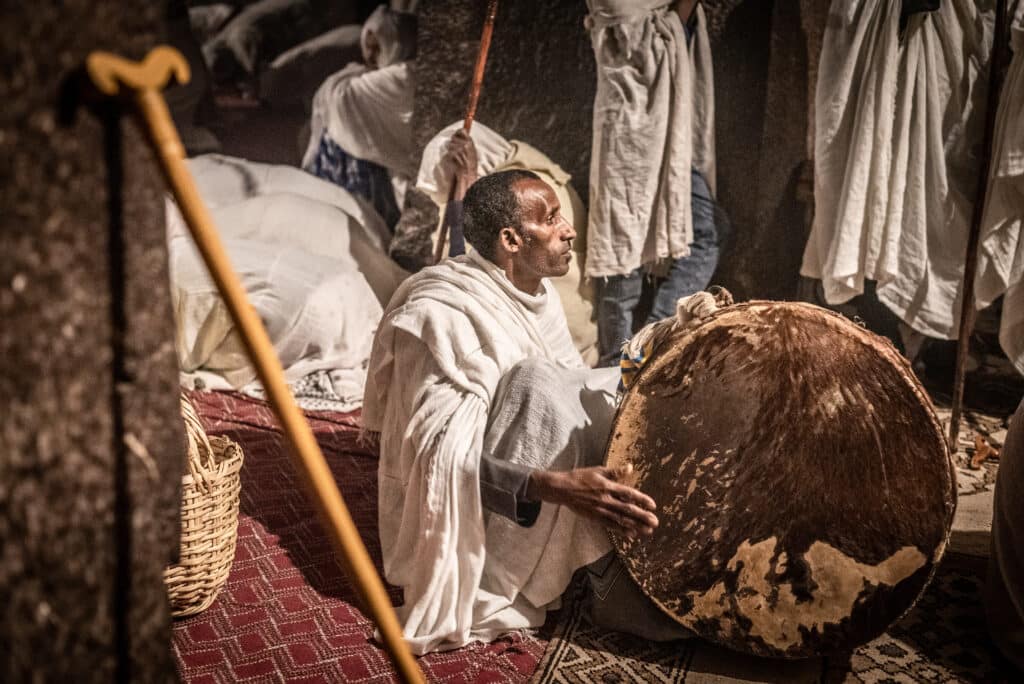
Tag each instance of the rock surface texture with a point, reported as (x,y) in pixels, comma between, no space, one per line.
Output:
(91,433)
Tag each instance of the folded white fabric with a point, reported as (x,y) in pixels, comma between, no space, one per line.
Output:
(1001,247)
(449,335)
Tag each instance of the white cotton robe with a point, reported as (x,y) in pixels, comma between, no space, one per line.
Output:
(447,337)
(1001,247)
(898,126)
(653,121)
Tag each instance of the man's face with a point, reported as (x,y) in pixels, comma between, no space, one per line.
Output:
(371,48)
(546,244)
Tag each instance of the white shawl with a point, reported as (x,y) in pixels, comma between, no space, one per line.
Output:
(447,337)
(896,166)
(1001,247)
(653,122)
(368,113)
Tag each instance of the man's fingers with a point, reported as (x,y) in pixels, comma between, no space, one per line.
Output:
(622,523)
(614,519)
(633,496)
(641,517)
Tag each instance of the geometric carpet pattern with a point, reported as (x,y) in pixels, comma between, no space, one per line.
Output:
(287,614)
(942,639)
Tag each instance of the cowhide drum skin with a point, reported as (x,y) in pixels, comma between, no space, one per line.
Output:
(805,492)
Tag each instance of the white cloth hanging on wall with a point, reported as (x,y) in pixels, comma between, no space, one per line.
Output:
(1000,246)
(653,120)
(898,127)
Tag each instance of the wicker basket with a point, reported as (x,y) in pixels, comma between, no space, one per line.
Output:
(209,518)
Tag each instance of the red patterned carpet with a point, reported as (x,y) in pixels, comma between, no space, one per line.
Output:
(287,613)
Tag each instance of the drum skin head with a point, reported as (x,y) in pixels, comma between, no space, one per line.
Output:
(805,491)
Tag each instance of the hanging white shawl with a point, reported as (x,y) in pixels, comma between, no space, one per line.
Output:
(897,127)
(653,121)
(1001,247)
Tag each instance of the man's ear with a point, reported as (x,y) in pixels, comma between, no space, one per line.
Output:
(509,239)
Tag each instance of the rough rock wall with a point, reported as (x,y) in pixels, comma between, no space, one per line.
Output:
(539,83)
(90,434)
(766,58)
(539,87)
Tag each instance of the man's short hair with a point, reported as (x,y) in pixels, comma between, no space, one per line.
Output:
(491,204)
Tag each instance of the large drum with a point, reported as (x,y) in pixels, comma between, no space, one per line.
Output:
(805,492)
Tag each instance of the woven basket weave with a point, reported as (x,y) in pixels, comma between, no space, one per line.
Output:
(209,518)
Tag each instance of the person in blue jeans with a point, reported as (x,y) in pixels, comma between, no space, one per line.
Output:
(618,296)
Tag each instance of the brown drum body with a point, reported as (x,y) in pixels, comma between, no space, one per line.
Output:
(805,492)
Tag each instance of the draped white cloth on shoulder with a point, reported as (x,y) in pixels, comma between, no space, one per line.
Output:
(898,126)
(368,113)
(653,121)
(448,336)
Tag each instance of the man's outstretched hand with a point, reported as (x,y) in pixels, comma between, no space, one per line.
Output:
(596,493)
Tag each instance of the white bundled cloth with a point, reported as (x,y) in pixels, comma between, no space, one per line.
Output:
(653,121)
(495,153)
(1001,247)
(449,335)
(224,180)
(315,273)
(897,127)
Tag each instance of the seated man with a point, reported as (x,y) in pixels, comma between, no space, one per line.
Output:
(484,410)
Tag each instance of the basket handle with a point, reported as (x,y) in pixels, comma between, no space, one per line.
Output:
(199,444)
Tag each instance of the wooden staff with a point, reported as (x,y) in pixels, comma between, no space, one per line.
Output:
(467,121)
(968,311)
(143,81)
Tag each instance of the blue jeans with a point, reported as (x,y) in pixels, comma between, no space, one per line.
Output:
(618,296)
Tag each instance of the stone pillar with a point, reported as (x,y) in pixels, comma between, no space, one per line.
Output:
(91,434)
